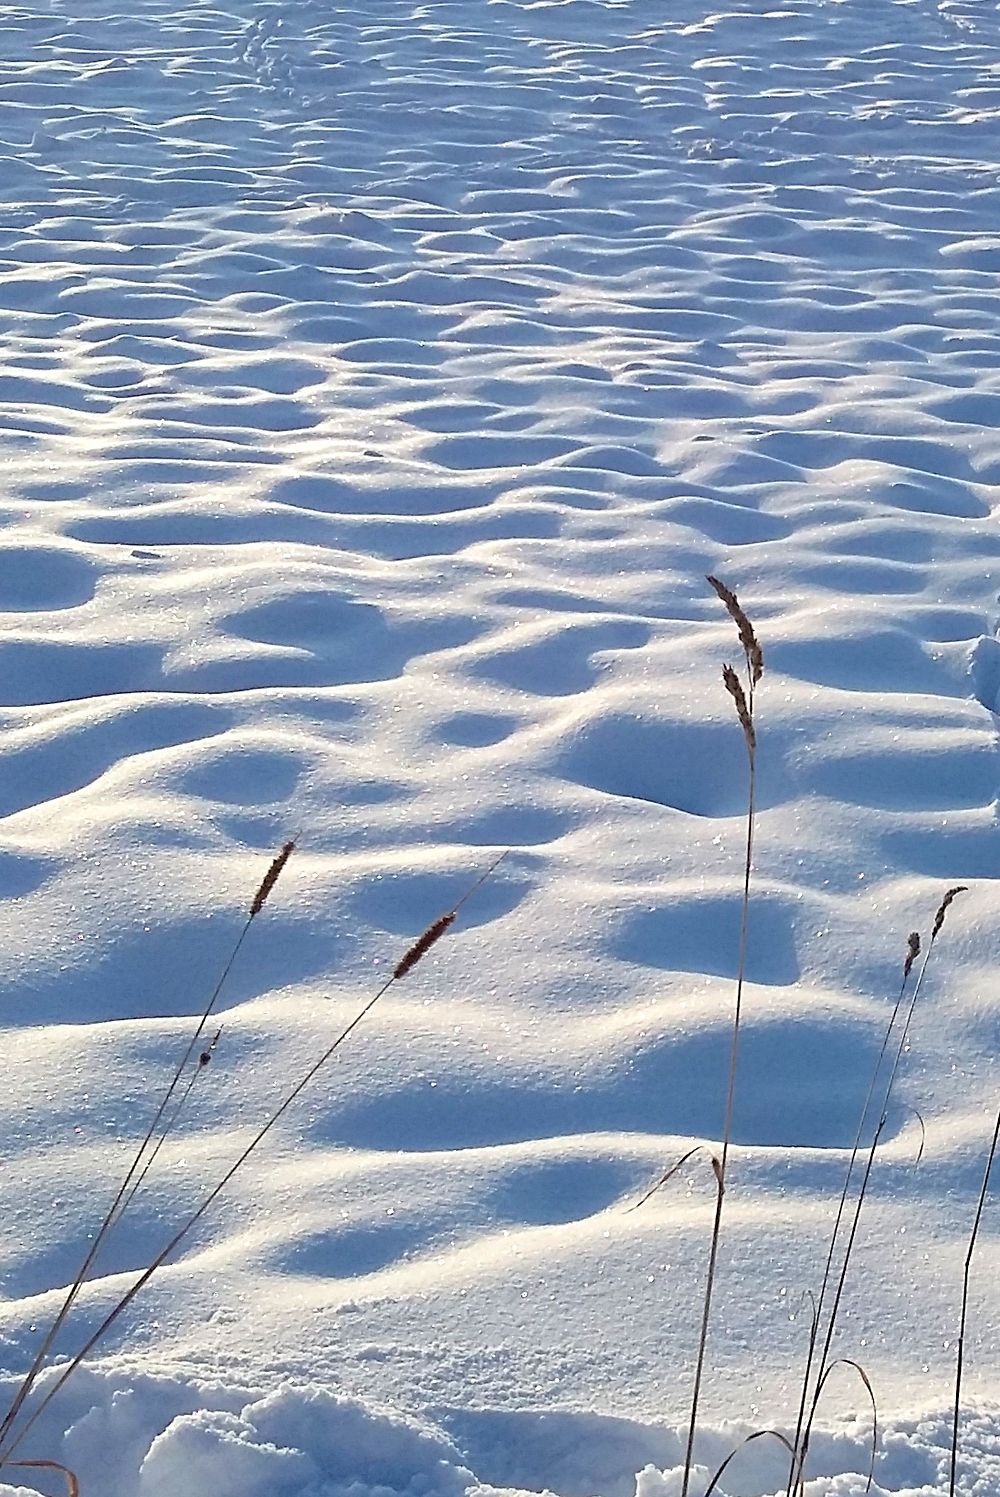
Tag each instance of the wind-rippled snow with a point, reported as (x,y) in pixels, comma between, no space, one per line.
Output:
(379,382)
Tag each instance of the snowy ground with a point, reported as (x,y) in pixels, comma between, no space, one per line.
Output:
(379,381)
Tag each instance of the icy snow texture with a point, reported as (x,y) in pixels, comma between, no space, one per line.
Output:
(379,381)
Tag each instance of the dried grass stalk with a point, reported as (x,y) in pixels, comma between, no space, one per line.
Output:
(271,878)
(667,1175)
(759,1434)
(744,701)
(964,1315)
(866,1380)
(804,1429)
(137,1170)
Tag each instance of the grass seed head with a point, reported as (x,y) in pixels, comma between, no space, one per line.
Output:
(271,878)
(756,660)
(735,688)
(912,951)
(943,908)
(209,1050)
(422,945)
(748,638)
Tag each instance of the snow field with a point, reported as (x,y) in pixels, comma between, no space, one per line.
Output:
(379,381)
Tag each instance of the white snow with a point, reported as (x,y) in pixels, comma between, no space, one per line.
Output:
(379,379)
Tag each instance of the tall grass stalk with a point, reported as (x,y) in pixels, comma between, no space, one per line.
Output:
(743,700)
(964,1316)
(13,1438)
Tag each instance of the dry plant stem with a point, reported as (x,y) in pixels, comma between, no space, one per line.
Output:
(127,1188)
(667,1175)
(706,1315)
(7,1449)
(169,1125)
(866,1380)
(720,1164)
(759,1434)
(744,708)
(72,1484)
(914,947)
(863,1189)
(963,1319)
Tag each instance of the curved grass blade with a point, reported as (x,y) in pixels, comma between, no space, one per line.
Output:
(862,1374)
(664,1178)
(757,1435)
(72,1484)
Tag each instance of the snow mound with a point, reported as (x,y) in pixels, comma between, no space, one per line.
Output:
(172,1437)
(300,1443)
(137,1435)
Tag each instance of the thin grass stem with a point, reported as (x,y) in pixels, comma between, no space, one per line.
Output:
(863,1189)
(963,1318)
(758,1434)
(68,1476)
(912,952)
(194,1072)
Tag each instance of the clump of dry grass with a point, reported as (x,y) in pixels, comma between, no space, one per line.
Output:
(823,1366)
(20,1416)
(819,1363)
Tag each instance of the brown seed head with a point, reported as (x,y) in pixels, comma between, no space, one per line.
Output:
(271,878)
(717,1169)
(943,906)
(748,639)
(422,945)
(756,663)
(912,952)
(735,688)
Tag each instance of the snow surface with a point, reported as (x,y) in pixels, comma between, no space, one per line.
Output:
(379,381)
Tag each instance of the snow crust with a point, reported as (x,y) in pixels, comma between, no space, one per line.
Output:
(379,382)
